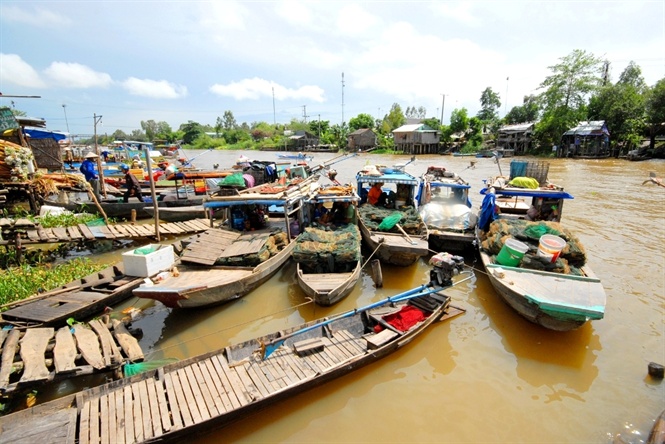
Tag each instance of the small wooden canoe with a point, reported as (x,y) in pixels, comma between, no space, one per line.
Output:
(78,299)
(394,248)
(328,288)
(196,396)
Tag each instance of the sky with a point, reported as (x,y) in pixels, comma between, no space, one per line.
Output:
(273,61)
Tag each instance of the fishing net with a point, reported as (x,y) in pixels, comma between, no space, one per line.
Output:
(410,220)
(390,221)
(323,251)
(571,259)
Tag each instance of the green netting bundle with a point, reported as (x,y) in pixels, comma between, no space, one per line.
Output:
(322,251)
(573,255)
(410,220)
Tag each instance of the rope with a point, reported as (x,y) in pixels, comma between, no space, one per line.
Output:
(162,349)
(375,250)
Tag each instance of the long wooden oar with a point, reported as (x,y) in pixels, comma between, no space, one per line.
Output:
(399,227)
(269,347)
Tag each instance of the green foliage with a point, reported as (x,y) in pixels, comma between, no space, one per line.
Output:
(393,120)
(490,102)
(191,131)
(65,219)
(361,121)
(20,282)
(527,112)
(622,108)
(459,121)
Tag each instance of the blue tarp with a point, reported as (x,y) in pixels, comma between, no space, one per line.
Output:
(487,212)
(42,134)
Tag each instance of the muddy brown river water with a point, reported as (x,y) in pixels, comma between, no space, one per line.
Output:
(488,375)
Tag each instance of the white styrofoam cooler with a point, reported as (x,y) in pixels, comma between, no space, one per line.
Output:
(146,265)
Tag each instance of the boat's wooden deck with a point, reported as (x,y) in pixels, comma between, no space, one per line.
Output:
(182,397)
(324,282)
(40,355)
(29,233)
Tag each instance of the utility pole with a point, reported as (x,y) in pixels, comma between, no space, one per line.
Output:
(304,113)
(100,171)
(319,128)
(505,106)
(443,104)
(69,136)
(274,119)
(342,99)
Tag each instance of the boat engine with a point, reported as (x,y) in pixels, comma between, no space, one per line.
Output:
(444,267)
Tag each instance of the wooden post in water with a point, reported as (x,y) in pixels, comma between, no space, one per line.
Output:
(153,194)
(377,275)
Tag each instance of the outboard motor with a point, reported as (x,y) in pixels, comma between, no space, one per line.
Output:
(444,267)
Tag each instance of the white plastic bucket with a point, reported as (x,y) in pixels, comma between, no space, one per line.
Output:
(550,247)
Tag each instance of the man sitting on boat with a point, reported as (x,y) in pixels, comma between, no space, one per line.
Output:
(133,185)
(374,194)
(171,171)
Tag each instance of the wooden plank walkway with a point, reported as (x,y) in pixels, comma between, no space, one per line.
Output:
(39,355)
(31,233)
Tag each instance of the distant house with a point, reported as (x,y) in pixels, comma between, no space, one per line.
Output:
(416,139)
(517,137)
(362,139)
(587,139)
(302,141)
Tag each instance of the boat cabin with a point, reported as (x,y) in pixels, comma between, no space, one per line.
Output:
(530,204)
(400,188)
(328,206)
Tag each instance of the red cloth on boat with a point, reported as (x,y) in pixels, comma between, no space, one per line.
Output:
(404,319)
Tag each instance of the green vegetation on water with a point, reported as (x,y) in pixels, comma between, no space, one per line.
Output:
(18,283)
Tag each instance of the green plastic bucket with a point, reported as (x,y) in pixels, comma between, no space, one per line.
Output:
(511,253)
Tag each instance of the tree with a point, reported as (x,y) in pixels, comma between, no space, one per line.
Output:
(150,128)
(415,113)
(319,127)
(565,95)
(191,131)
(229,122)
(394,119)
(459,121)
(621,106)
(490,102)
(527,112)
(655,111)
(361,121)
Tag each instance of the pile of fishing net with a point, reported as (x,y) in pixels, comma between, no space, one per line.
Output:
(571,259)
(328,251)
(274,244)
(410,220)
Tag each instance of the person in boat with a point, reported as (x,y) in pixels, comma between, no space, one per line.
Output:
(133,185)
(374,194)
(171,171)
(137,162)
(321,214)
(343,214)
(69,157)
(88,169)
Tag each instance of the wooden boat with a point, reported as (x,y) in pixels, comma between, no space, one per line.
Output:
(178,214)
(542,291)
(190,398)
(227,263)
(445,208)
(299,156)
(401,246)
(329,262)
(657,433)
(78,299)
(117,209)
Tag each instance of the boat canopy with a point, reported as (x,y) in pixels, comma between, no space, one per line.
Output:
(545,194)
(231,203)
(435,184)
(334,198)
(396,178)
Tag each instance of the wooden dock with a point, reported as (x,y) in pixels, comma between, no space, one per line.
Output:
(41,355)
(25,231)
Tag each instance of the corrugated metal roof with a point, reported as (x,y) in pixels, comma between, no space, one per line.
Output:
(413,128)
(596,127)
(516,128)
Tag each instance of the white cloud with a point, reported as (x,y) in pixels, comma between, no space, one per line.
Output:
(40,17)
(156,89)
(354,20)
(224,15)
(294,12)
(256,88)
(14,70)
(75,75)
(460,12)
